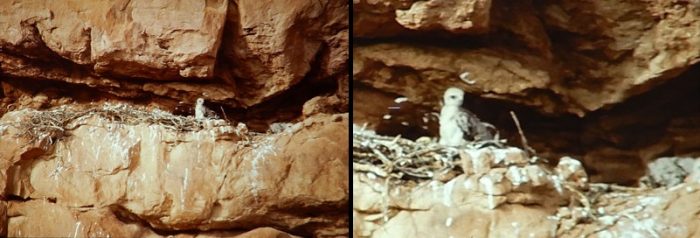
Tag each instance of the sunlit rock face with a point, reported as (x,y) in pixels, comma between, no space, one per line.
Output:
(271,161)
(214,178)
(224,51)
(556,56)
(610,84)
(412,188)
(137,39)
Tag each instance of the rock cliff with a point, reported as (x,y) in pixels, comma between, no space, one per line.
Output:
(612,84)
(97,128)
(612,81)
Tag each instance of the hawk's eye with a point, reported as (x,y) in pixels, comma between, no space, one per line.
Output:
(453,97)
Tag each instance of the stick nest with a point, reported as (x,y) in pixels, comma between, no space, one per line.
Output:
(57,121)
(397,157)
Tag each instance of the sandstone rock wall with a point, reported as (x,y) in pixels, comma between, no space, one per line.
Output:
(420,188)
(557,56)
(278,68)
(220,178)
(229,52)
(613,84)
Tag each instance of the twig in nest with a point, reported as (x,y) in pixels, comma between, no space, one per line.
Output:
(399,157)
(582,198)
(369,168)
(385,195)
(223,113)
(57,121)
(526,146)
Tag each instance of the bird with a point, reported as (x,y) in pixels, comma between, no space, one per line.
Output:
(457,123)
(201,112)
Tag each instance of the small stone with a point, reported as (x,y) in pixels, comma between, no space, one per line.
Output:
(571,170)
(536,174)
(482,160)
(517,176)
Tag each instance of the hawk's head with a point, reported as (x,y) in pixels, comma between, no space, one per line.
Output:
(200,101)
(453,97)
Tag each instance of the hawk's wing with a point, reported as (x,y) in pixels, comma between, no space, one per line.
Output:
(465,120)
(473,127)
(210,113)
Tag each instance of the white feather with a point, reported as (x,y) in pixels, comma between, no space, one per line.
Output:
(451,133)
(199,109)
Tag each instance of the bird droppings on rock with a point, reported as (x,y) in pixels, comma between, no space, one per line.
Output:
(153,118)
(606,92)
(171,171)
(395,176)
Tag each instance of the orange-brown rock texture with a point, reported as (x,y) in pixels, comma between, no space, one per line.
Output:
(613,84)
(614,81)
(98,134)
(559,56)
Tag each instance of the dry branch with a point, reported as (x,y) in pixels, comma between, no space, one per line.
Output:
(55,123)
(403,158)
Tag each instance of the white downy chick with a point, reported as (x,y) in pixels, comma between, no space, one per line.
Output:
(457,123)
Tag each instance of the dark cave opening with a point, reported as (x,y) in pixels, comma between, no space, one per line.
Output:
(660,122)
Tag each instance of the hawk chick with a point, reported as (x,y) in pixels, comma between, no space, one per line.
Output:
(201,112)
(457,123)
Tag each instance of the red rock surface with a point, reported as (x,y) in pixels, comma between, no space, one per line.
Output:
(295,180)
(27,218)
(228,52)
(502,192)
(660,212)
(135,39)
(612,84)
(555,56)
(253,62)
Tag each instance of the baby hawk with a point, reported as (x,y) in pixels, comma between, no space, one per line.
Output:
(201,112)
(457,123)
